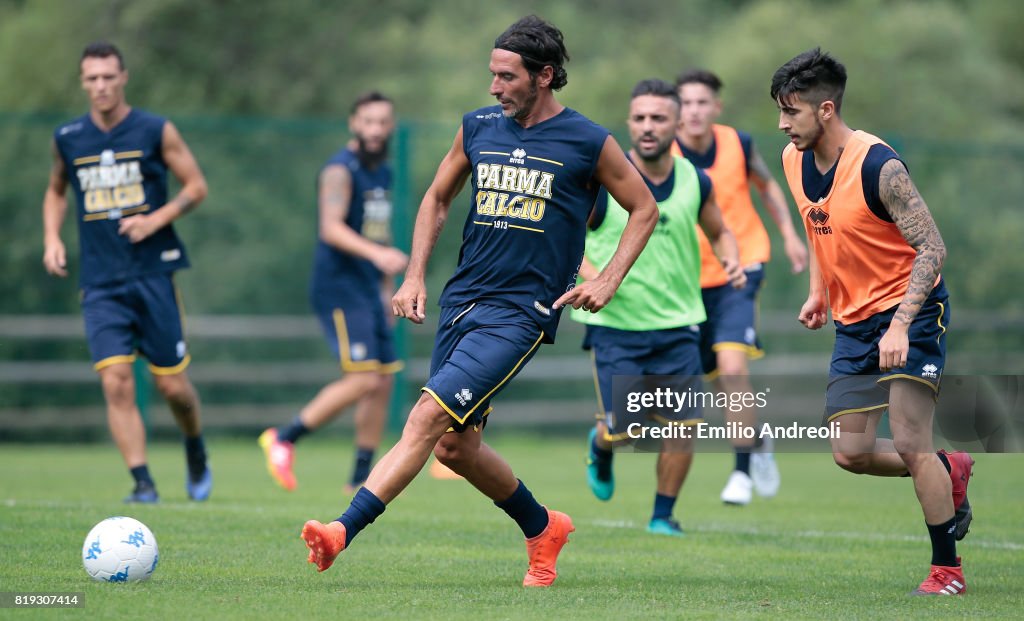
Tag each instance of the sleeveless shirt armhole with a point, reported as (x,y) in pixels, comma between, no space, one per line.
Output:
(704,182)
(747,144)
(599,211)
(161,124)
(870,172)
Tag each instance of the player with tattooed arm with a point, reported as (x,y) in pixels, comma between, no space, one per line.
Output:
(875,263)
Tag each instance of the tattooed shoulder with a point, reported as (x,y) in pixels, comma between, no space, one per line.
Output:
(896,190)
(908,210)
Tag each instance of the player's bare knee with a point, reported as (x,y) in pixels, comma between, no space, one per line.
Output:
(175,389)
(677,445)
(912,442)
(454,454)
(118,385)
(857,463)
(733,375)
(427,419)
(383,384)
(366,382)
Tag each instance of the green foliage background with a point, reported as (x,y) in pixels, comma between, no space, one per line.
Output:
(260,89)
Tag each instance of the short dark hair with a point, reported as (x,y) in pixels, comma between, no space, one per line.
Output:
(102,49)
(539,44)
(813,75)
(368,98)
(656,87)
(700,76)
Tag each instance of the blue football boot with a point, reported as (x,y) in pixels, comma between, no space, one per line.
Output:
(143,494)
(665,526)
(200,488)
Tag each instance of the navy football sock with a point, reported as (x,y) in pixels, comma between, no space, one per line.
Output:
(602,459)
(195,456)
(526,511)
(743,460)
(363,510)
(141,476)
(663,506)
(292,431)
(943,538)
(364,457)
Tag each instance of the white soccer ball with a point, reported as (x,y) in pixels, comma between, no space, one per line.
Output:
(120,549)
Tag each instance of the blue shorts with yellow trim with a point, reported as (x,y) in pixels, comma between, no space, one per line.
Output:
(142,315)
(359,333)
(478,349)
(855,382)
(732,320)
(673,352)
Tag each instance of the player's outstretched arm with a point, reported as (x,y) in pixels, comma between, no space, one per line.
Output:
(775,202)
(410,301)
(333,201)
(624,183)
(185,169)
(914,220)
(723,242)
(55,207)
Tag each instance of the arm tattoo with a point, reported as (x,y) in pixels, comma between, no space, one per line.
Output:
(439,226)
(335,191)
(915,223)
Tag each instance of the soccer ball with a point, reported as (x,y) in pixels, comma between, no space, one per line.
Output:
(120,549)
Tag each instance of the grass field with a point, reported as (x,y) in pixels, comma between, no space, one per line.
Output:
(831,545)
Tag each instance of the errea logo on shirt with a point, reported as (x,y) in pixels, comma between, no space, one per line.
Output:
(930,371)
(518,156)
(818,217)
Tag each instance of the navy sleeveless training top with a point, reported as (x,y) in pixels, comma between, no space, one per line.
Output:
(336,273)
(532,191)
(115,174)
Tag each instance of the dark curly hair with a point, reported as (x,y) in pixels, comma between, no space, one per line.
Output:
(539,44)
(814,75)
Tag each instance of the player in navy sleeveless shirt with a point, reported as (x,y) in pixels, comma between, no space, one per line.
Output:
(116,158)
(353,268)
(535,167)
